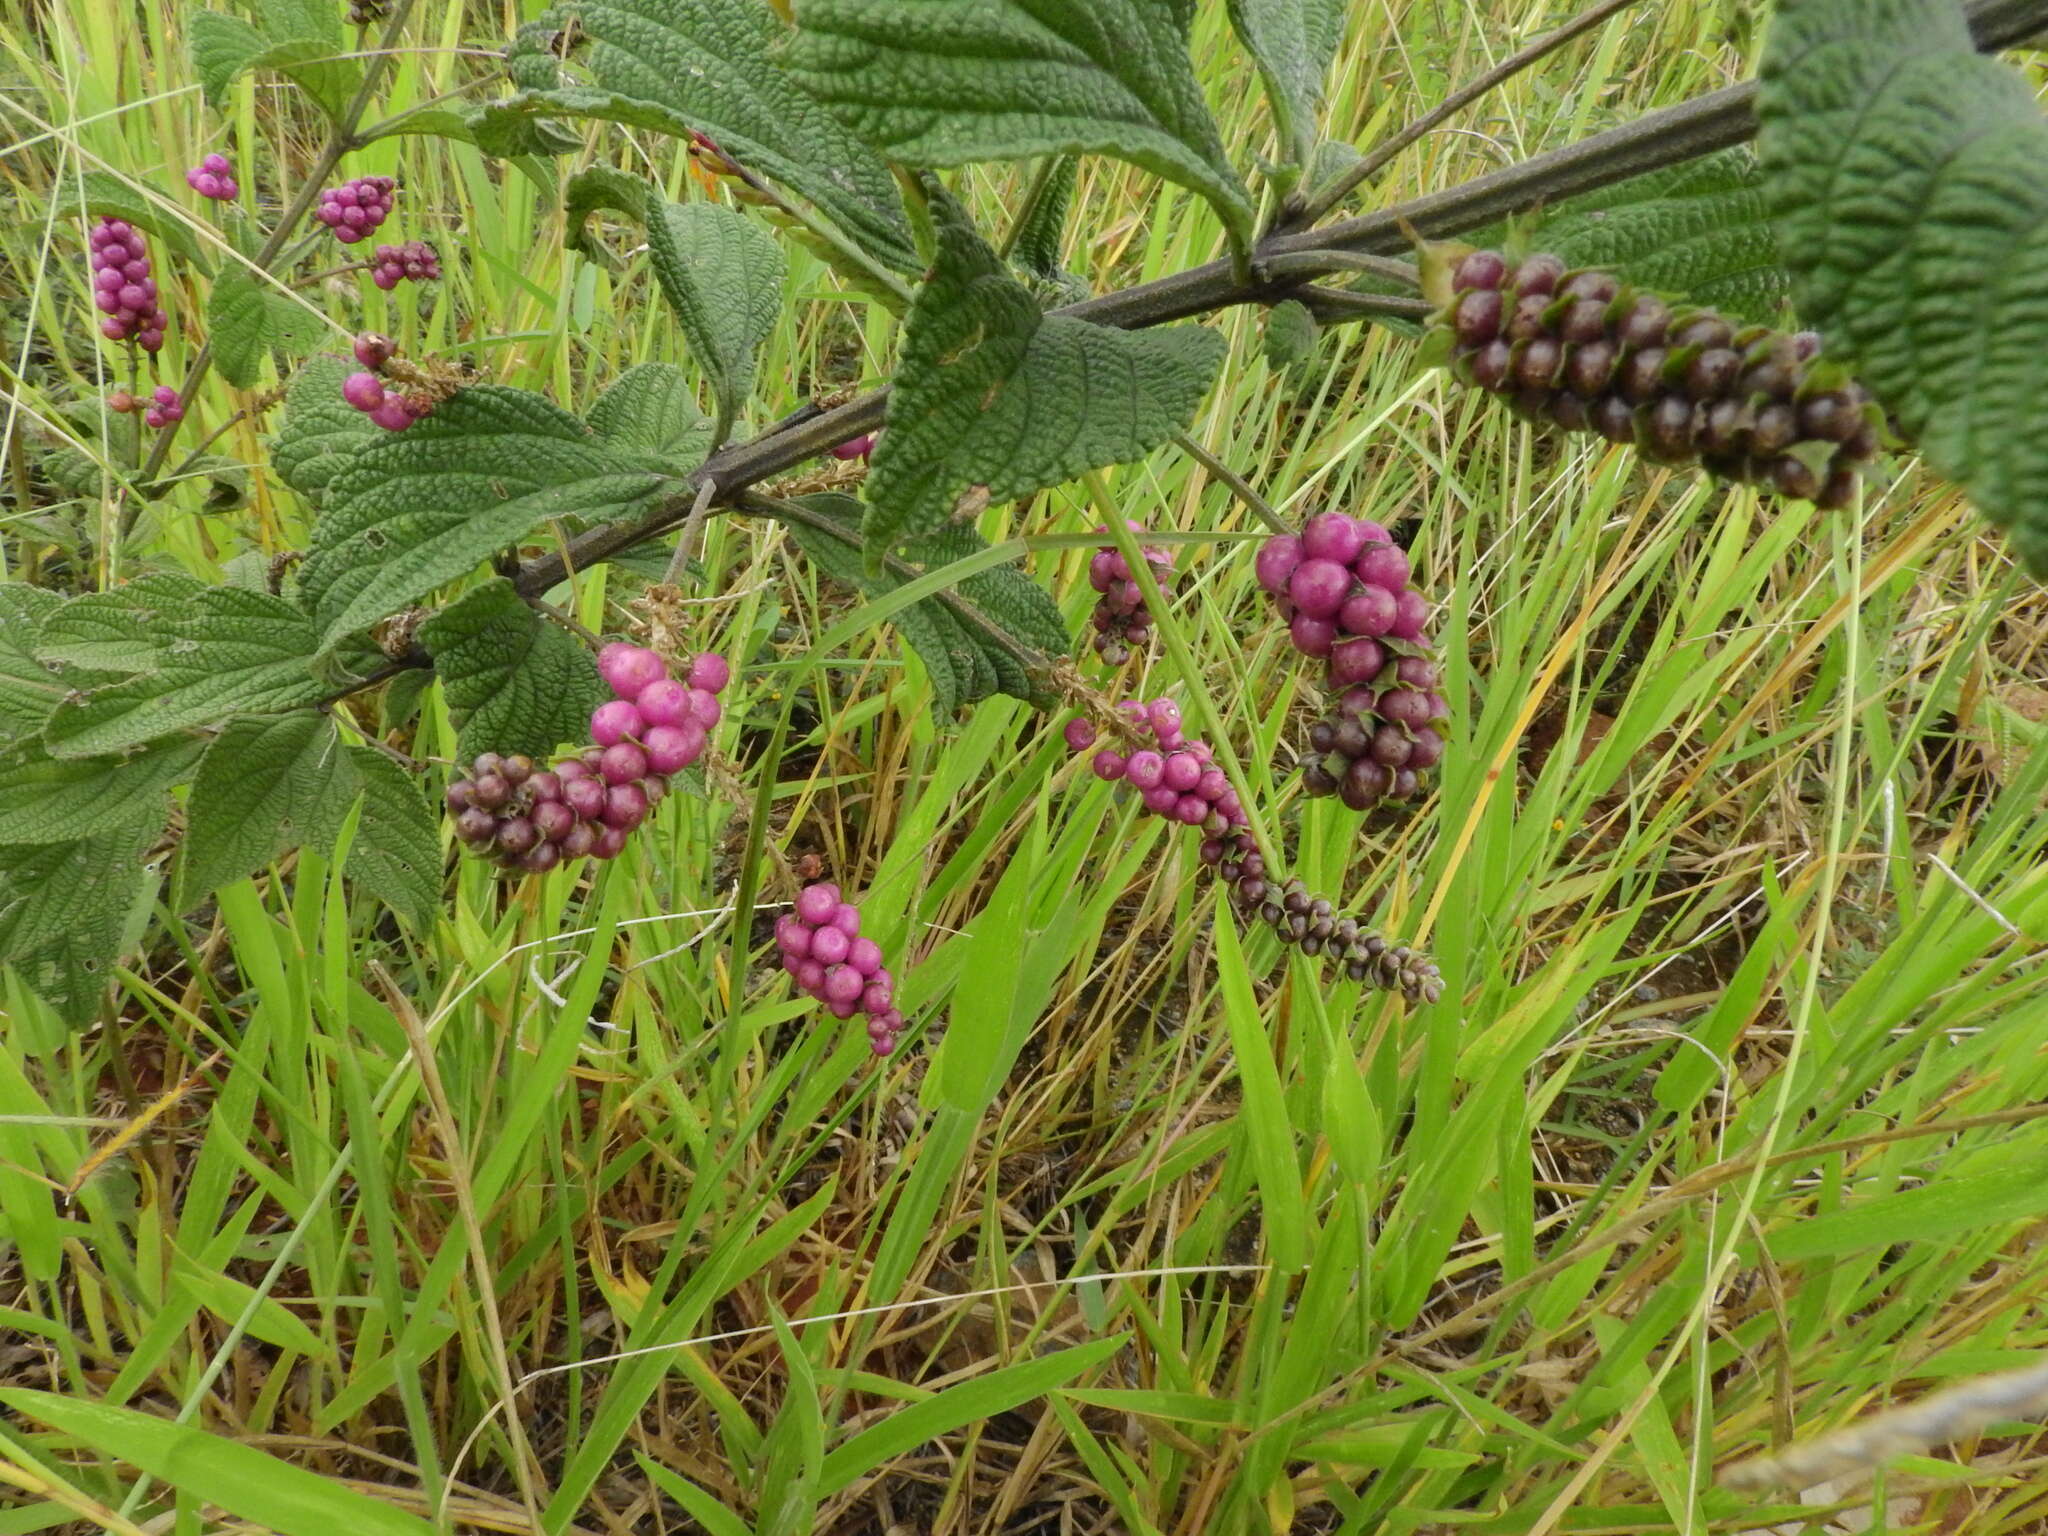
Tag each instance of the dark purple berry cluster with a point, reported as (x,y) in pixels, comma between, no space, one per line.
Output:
(821,947)
(214,177)
(1586,351)
(123,290)
(354,209)
(1175,777)
(393,264)
(1119,619)
(1294,915)
(1343,586)
(532,818)
(162,409)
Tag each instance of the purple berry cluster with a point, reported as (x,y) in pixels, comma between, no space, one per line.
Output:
(821,947)
(354,209)
(392,409)
(1343,586)
(123,290)
(1586,351)
(1294,915)
(162,409)
(1119,619)
(531,818)
(659,718)
(1174,777)
(393,264)
(213,177)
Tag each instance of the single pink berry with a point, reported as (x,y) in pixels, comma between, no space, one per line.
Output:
(705,708)
(614,722)
(844,984)
(1312,637)
(846,918)
(1108,764)
(392,415)
(1278,557)
(364,391)
(623,763)
(629,668)
(815,904)
(667,748)
(710,672)
(663,702)
(625,805)
(1332,536)
(810,975)
(879,993)
(829,946)
(1079,734)
(374,351)
(793,934)
(865,956)
(1382,565)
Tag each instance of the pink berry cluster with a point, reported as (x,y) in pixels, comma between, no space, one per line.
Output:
(1342,585)
(161,409)
(123,290)
(1174,777)
(392,409)
(1120,619)
(532,818)
(663,719)
(1295,915)
(354,209)
(821,947)
(213,177)
(393,264)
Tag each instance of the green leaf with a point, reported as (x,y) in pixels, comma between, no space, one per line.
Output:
(432,502)
(46,799)
(264,787)
(228,652)
(723,277)
(77,891)
(298,40)
(1294,41)
(1267,1133)
(1291,335)
(29,688)
(1943,1208)
(71,972)
(1003,79)
(684,66)
(321,433)
(261,1489)
(957,642)
(117,630)
(1699,229)
(600,186)
(993,395)
(650,407)
(106,195)
(1909,181)
(970,1402)
(1041,231)
(397,851)
(247,319)
(514,681)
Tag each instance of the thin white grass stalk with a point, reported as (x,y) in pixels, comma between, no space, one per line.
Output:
(1163,1272)
(1978,900)
(1856,1450)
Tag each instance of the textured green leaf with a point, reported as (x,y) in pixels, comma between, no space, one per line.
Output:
(297,40)
(71,971)
(396,855)
(650,407)
(992,393)
(247,319)
(29,689)
(1294,41)
(514,681)
(265,786)
(271,1494)
(940,85)
(1909,180)
(80,891)
(1041,232)
(1699,229)
(600,186)
(723,277)
(432,502)
(117,630)
(706,66)
(46,799)
(321,433)
(107,196)
(1291,334)
(228,652)
(962,656)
